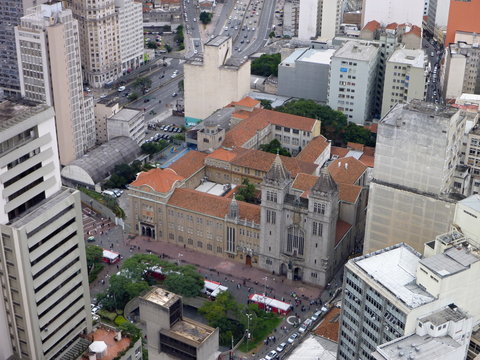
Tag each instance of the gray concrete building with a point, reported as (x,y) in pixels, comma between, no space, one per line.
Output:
(418,147)
(353,76)
(127,122)
(172,336)
(304,74)
(45,300)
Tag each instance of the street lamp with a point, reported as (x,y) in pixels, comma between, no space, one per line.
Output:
(179,255)
(249,317)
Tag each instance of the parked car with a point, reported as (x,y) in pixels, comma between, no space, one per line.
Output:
(281,347)
(121,88)
(302,328)
(174,94)
(271,355)
(293,337)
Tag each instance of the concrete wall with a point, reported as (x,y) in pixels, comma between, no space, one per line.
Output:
(307,19)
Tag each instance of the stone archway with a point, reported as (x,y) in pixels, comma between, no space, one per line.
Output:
(283,269)
(297,274)
(248,260)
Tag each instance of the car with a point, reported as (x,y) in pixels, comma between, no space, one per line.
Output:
(174,94)
(248,41)
(146,100)
(241,42)
(307,322)
(125,94)
(293,337)
(103,96)
(95,317)
(245,36)
(271,355)
(302,328)
(225,28)
(95,309)
(121,88)
(91,239)
(195,19)
(316,315)
(195,51)
(178,130)
(173,75)
(281,347)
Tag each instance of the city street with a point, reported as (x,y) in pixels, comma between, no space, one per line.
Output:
(434,56)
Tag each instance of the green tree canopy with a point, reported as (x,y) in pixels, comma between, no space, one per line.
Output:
(154,147)
(246,192)
(205,17)
(275,147)
(120,291)
(266,65)
(94,255)
(188,284)
(133,96)
(266,104)
(179,38)
(224,307)
(143,83)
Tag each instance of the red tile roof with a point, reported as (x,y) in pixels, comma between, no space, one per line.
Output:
(247,101)
(213,205)
(346,170)
(330,325)
(338,151)
(314,149)
(349,192)
(157,180)
(415,30)
(391,26)
(372,25)
(244,131)
(222,154)
(355,146)
(342,229)
(367,160)
(372,128)
(262,161)
(189,163)
(304,181)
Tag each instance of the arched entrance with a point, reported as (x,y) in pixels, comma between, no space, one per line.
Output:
(283,269)
(248,260)
(148,231)
(297,274)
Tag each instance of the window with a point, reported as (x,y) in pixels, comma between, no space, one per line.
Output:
(317,228)
(271,196)
(190,241)
(171,236)
(199,244)
(295,241)
(230,239)
(271,217)
(319,208)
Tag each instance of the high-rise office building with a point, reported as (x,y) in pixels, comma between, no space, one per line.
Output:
(48,51)
(388,292)
(405,78)
(10,13)
(438,18)
(319,18)
(99,39)
(353,75)
(44,304)
(462,16)
(130,33)
(418,147)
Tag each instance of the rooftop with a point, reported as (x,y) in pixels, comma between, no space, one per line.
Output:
(12,113)
(191,330)
(330,325)
(472,202)
(412,57)
(317,56)
(442,316)
(114,347)
(353,50)
(161,297)
(126,114)
(314,347)
(159,180)
(217,40)
(189,163)
(313,149)
(394,269)
(346,170)
(452,261)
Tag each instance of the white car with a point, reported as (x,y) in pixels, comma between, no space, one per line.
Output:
(281,347)
(271,355)
(302,329)
(121,88)
(173,75)
(292,338)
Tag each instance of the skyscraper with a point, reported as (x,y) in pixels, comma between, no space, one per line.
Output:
(10,13)
(319,18)
(48,49)
(44,303)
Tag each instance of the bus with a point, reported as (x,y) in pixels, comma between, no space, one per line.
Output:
(213,288)
(110,257)
(270,304)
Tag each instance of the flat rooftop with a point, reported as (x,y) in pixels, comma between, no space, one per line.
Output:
(442,316)
(314,348)
(214,188)
(454,260)
(12,113)
(317,56)
(394,268)
(353,50)
(161,297)
(114,347)
(217,40)
(472,202)
(126,114)
(415,58)
(192,330)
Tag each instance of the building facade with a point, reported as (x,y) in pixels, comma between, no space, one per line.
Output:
(99,40)
(130,33)
(319,18)
(353,76)
(387,12)
(405,78)
(127,122)
(409,194)
(45,293)
(48,49)
(462,17)
(203,95)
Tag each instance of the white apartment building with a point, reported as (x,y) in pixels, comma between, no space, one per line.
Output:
(45,298)
(387,12)
(127,122)
(99,40)
(461,70)
(405,78)
(472,157)
(387,293)
(130,33)
(352,83)
(319,18)
(48,52)
(418,147)
(215,81)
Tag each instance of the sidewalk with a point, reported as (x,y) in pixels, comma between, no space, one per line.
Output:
(210,264)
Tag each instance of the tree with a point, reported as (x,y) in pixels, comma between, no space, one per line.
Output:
(179,38)
(205,17)
(152,45)
(154,147)
(168,48)
(266,104)
(179,137)
(275,147)
(133,96)
(181,86)
(120,291)
(266,65)
(143,83)
(246,192)
(184,283)
(272,34)
(94,255)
